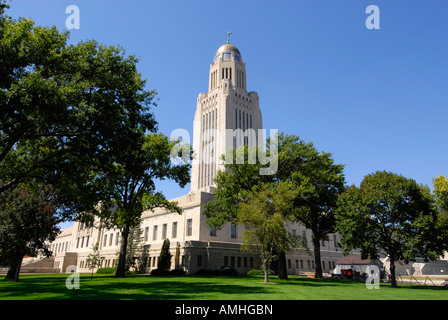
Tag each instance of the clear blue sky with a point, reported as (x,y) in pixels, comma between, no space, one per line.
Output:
(376,99)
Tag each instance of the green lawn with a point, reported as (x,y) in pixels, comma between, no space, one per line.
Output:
(141,287)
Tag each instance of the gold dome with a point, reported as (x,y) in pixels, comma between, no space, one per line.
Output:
(227,47)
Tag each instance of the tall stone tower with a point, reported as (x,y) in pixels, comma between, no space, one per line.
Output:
(227,116)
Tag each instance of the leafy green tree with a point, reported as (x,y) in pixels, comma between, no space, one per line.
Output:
(94,259)
(264,215)
(131,185)
(320,182)
(66,110)
(317,177)
(392,214)
(28,218)
(164,262)
(440,184)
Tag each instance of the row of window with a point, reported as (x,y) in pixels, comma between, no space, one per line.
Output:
(59,247)
(111,239)
(299,264)
(239,262)
(207,170)
(164,234)
(227,55)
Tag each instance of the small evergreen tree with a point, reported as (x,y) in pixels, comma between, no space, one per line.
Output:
(164,263)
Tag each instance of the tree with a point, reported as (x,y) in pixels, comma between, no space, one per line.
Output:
(264,215)
(164,263)
(317,177)
(66,110)
(392,214)
(440,184)
(94,259)
(28,218)
(320,182)
(131,185)
(134,250)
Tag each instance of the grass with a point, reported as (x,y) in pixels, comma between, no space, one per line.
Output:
(143,287)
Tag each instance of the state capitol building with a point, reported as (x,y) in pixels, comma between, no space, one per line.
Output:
(194,245)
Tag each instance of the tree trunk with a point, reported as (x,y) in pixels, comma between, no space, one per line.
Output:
(317,262)
(266,269)
(14,270)
(121,267)
(392,273)
(282,271)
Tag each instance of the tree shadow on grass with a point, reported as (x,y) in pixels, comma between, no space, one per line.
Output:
(111,288)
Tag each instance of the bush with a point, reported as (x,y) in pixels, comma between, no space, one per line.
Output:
(258,272)
(222,271)
(174,272)
(105,270)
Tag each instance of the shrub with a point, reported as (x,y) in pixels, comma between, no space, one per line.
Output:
(258,272)
(105,271)
(223,271)
(174,272)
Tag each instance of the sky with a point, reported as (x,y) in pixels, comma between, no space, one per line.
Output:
(377,99)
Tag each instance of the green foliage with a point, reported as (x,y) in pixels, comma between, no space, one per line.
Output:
(94,259)
(28,218)
(316,178)
(440,184)
(174,272)
(258,272)
(164,262)
(264,215)
(389,213)
(66,110)
(105,271)
(131,185)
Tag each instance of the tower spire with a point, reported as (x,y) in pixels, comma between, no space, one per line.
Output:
(228,36)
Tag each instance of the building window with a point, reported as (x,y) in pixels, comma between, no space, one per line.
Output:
(226,260)
(289,263)
(239,262)
(189,227)
(87,242)
(232,261)
(212,231)
(164,228)
(111,239)
(117,236)
(154,233)
(174,230)
(199,261)
(251,262)
(146,233)
(245,262)
(105,240)
(233,230)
